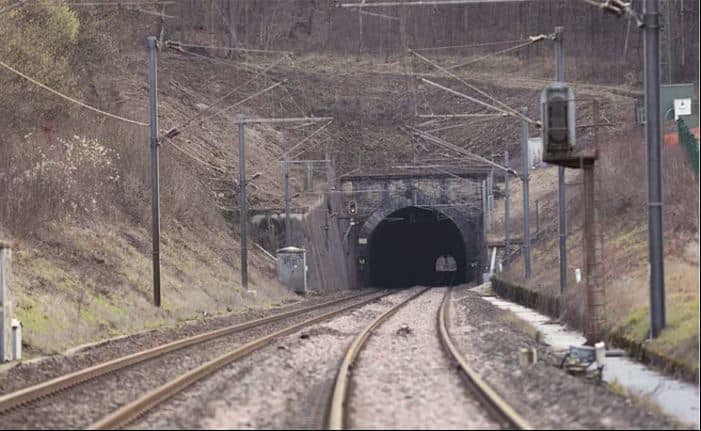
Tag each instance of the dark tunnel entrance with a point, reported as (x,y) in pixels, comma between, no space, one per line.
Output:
(404,248)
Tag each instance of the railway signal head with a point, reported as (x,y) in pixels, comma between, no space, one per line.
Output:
(557,112)
(352,208)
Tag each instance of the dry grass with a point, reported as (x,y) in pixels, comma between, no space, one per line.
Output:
(622,196)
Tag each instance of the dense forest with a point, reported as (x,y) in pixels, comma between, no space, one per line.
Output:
(320,25)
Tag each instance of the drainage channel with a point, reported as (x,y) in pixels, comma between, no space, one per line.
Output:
(676,398)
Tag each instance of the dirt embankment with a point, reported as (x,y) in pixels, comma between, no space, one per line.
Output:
(622,249)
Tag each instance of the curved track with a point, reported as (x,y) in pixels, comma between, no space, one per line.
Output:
(499,410)
(24,398)
(130,412)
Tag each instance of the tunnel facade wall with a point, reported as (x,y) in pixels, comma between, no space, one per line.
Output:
(329,259)
(459,199)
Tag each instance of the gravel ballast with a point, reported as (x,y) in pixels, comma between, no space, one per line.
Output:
(403,378)
(24,374)
(284,385)
(82,405)
(544,394)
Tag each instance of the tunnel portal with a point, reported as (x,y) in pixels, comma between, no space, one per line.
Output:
(404,247)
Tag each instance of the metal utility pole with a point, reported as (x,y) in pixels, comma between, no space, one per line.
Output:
(155,169)
(507,227)
(243,211)
(654,166)
(5,254)
(561,198)
(288,232)
(526,246)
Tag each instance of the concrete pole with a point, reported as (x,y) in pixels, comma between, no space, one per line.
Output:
(507,226)
(243,210)
(288,232)
(561,198)
(155,170)
(5,254)
(654,166)
(526,246)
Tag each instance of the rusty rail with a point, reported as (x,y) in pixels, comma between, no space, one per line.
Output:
(49,387)
(499,409)
(336,415)
(129,412)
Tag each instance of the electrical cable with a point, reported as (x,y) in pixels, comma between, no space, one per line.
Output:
(69,98)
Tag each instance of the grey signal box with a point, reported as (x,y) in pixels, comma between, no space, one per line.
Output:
(557,112)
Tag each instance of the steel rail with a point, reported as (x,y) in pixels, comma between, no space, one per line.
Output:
(130,412)
(49,387)
(336,414)
(498,408)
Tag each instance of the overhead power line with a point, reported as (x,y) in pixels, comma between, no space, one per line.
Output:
(69,98)
(503,51)
(472,45)
(423,3)
(177,129)
(228,48)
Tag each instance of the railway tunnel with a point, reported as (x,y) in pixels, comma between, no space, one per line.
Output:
(404,247)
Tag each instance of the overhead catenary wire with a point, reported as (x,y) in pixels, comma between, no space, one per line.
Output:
(500,52)
(228,48)
(379,15)
(471,45)
(460,150)
(194,157)
(513,111)
(421,3)
(240,65)
(509,111)
(189,120)
(71,99)
(311,135)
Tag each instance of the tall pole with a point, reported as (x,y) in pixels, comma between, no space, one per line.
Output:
(155,170)
(5,254)
(526,246)
(654,166)
(288,232)
(561,198)
(507,227)
(243,214)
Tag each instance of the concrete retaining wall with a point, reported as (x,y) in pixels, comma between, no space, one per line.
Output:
(327,256)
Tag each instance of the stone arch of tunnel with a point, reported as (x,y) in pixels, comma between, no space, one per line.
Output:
(400,242)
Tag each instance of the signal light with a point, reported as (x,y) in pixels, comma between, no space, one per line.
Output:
(557,110)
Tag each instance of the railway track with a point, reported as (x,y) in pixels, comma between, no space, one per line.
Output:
(499,410)
(130,412)
(26,397)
